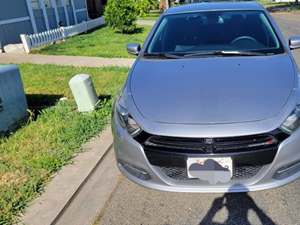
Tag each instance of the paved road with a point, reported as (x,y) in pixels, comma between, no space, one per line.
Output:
(134,205)
(290,25)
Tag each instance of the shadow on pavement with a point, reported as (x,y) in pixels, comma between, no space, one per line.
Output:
(238,206)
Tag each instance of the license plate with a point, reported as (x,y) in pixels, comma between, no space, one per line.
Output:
(213,170)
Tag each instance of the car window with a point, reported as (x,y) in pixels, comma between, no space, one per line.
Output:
(215,31)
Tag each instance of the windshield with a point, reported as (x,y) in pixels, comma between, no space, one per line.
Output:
(206,32)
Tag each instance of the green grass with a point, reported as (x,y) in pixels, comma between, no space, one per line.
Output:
(103,42)
(36,151)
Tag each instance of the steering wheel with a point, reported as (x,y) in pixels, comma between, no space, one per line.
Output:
(243,38)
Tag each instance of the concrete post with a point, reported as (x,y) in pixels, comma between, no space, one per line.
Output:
(84,92)
(26,42)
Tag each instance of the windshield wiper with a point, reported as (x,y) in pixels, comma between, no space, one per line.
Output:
(225,53)
(162,55)
(205,53)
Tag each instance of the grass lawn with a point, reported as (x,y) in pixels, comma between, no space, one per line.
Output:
(103,42)
(36,151)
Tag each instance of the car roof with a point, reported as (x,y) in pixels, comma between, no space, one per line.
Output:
(215,6)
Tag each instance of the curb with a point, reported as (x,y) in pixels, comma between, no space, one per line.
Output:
(63,189)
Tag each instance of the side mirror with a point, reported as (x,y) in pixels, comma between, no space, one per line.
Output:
(294,42)
(133,48)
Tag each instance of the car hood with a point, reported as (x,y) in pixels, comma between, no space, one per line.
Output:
(212,90)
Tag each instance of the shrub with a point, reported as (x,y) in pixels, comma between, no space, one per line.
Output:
(121,15)
(154,4)
(143,7)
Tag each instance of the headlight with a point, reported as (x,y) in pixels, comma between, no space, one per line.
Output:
(292,123)
(126,121)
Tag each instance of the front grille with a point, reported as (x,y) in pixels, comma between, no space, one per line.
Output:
(248,153)
(176,173)
(245,172)
(214,145)
(239,173)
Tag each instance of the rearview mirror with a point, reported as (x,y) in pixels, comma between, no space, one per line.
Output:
(294,42)
(133,48)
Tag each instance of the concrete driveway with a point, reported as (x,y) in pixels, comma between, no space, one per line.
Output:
(133,205)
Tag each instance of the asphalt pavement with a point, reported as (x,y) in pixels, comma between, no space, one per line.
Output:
(131,204)
(290,25)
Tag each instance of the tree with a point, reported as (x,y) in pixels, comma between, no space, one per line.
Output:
(143,7)
(121,15)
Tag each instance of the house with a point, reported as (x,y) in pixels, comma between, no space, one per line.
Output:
(34,16)
(95,7)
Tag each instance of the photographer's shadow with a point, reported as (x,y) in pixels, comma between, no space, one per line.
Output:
(238,206)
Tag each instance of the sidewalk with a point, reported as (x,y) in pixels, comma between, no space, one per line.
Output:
(78,61)
(146,22)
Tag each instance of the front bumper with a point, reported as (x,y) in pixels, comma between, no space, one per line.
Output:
(132,160)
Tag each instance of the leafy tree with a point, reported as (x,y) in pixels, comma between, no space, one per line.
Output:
(143,7)
(121,15)
(154,4)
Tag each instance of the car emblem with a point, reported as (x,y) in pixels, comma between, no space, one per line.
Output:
(209,141)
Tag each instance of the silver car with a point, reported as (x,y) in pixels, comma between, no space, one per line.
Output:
(211,104)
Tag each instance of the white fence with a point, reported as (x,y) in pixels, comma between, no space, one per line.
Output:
(48,37)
